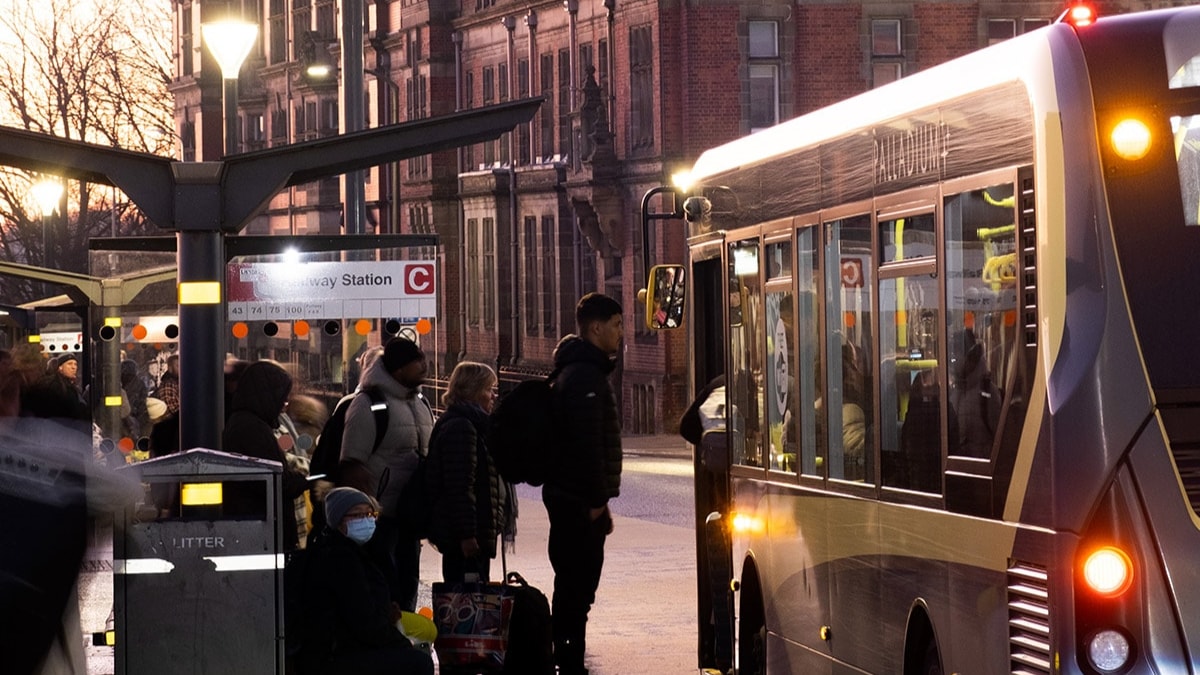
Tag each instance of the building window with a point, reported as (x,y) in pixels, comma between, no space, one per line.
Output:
(185,38)
(329,117)
(468,103)
(547,112)
(548,291)
(473,270)
(325,20)
(279,127)
(885,72)
(641,88)
(1000,30)
(187,138)
(489,97)
(1033,24)
(489,273)
(413,48)
(565,104)
(301,24)
(530,263)
(277,32)
(524,131)
(764,74)
(885,37)
(255,132)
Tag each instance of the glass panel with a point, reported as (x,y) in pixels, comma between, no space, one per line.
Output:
(780,399)
(910,384)
(981,313)
(1000,30)
(848,348)
(1187,156)
(906,238)
(763,41)
(764,96)
(1181,45)
(884,73)
(746,330)
(808,350)
(779,260)
(885,37)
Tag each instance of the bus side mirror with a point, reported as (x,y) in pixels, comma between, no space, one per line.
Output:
(665,297)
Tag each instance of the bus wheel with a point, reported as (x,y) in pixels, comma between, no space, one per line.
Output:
(752,630)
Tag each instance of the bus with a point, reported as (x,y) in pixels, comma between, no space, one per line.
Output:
(950,329)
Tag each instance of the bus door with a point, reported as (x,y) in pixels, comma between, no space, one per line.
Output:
(714,559)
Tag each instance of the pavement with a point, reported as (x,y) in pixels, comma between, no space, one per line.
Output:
(643,620)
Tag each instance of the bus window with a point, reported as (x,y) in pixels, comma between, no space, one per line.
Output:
(910,383)
(981,297)
(746,362)
(1187,156)
(848,348)
(906,238)
(780,381)
(808,349)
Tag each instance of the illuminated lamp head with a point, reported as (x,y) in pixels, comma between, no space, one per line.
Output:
(1130,139)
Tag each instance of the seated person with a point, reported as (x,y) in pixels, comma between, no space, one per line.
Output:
(349,623)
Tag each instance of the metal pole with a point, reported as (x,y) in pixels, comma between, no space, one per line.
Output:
(352,108)
(229,96)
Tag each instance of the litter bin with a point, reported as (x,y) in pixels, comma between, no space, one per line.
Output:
(198,568)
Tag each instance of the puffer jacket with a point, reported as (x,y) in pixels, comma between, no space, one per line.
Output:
(589,467)
(410,422)
(464,485)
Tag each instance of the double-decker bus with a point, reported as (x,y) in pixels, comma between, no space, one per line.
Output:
(956,319)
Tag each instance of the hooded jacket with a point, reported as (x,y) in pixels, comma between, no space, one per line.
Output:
(410,422)
(590,458)
(262,391)
(463,481)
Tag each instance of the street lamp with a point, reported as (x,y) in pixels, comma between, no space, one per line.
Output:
(230,42)
(46,193)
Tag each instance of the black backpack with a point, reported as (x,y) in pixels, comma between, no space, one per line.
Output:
(523,433)
(530,636)
(328,453)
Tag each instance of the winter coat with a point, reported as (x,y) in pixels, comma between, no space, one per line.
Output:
(589,469)
(410,422)
(250,431)
(347,605)
(464,485)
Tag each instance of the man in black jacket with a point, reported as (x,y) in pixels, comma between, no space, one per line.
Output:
(588,474)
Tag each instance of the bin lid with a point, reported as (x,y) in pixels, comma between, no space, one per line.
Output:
(202,461)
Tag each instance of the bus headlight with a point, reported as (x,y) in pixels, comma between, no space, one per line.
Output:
(1108,650)
(1130,139)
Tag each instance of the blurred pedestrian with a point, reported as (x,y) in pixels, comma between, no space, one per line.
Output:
(261,397)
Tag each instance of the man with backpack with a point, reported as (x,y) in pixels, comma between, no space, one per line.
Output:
(587,472)
(384,468)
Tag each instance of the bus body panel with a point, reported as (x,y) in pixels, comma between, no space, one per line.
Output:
(1106,450)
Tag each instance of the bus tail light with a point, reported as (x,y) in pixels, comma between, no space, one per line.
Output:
(1108,571)
(744,523)
(1079,15)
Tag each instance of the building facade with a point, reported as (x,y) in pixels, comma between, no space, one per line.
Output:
(634,90)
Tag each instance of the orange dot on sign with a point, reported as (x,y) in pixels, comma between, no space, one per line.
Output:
(424,326)
(125,445)
(301,328)
(139,332)
(362,326)
(240,330)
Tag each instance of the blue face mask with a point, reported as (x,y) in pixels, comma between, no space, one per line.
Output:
(360,530)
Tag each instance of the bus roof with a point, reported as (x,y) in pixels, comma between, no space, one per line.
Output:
(1004,62)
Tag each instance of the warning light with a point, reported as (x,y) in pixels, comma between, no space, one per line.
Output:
(1108,571)
(1131,139)
(1079,15)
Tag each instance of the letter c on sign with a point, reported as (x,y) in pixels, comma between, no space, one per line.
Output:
(418,280)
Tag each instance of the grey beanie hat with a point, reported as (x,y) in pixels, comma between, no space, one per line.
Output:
(340,500)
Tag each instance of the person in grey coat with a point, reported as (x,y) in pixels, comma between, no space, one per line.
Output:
(384,471)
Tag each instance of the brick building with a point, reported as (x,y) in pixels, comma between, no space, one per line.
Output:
(634,89)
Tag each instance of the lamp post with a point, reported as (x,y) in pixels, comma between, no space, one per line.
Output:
(201,265)
(46,193)
(230,42)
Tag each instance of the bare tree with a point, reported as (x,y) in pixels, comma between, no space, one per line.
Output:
(83,70)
